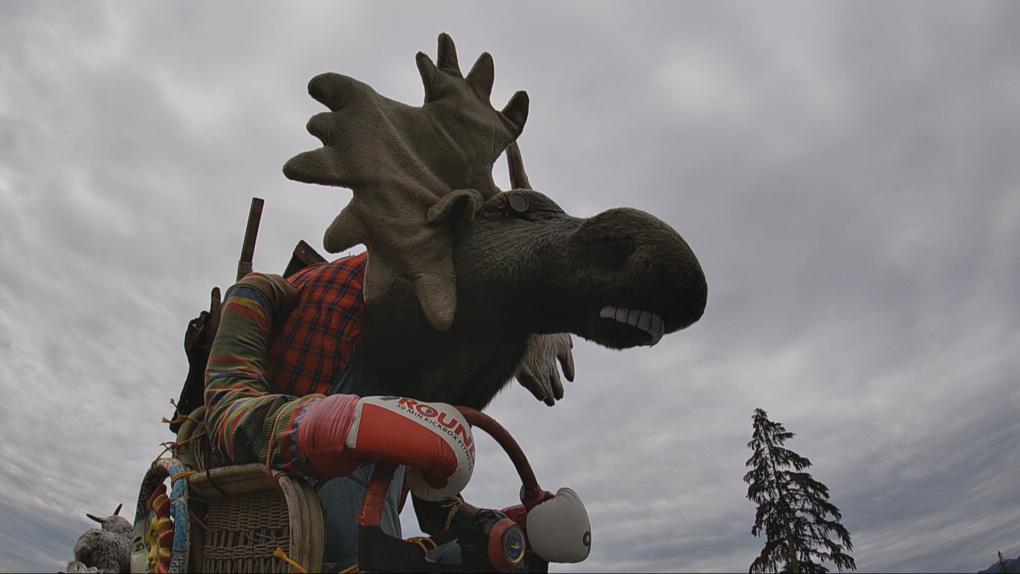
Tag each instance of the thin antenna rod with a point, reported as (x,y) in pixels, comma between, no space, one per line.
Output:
(250,234)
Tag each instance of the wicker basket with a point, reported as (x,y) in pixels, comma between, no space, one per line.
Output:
(244,516)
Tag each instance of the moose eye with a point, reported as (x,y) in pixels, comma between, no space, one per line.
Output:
(518,203)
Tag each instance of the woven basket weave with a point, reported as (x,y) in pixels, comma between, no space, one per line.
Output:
(244,531)
(246,517)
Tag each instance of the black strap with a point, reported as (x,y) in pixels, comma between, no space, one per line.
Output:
(216,486)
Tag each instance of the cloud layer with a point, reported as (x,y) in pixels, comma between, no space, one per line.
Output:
(845,172)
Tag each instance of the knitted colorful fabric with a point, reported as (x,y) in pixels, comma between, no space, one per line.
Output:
(247,423)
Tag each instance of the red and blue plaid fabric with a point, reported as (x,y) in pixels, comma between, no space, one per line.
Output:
(322,332)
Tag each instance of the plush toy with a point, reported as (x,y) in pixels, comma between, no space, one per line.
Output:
(105,549)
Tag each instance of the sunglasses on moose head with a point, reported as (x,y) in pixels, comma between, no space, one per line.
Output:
(515,202)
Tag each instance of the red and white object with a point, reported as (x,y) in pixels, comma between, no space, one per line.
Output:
(339,433)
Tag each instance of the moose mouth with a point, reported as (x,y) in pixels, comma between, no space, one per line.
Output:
(646,321)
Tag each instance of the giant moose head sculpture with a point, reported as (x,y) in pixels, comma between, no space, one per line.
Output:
(461,276)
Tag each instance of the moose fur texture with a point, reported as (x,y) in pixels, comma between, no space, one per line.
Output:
(534,273)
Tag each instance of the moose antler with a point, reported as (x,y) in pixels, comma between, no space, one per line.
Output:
(515,165)
(416,172)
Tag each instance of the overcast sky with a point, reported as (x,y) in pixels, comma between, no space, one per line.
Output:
(847,173)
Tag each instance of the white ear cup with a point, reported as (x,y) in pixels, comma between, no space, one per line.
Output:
(559,530)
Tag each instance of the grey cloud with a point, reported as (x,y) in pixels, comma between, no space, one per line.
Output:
(37,539)
(845,173)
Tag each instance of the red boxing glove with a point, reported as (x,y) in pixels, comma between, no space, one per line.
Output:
(339,433)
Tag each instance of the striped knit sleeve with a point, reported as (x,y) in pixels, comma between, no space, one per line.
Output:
(247,423)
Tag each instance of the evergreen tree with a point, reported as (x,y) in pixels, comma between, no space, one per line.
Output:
(794,511)
(1006,566)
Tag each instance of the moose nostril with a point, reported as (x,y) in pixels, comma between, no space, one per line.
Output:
(611,253)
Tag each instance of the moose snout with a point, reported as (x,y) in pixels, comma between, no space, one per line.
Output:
(644,262)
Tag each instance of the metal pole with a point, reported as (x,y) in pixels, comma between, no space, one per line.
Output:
(250,234)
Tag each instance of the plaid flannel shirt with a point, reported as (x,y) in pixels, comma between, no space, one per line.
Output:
(321,334)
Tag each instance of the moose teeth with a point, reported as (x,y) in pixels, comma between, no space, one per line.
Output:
(644,320)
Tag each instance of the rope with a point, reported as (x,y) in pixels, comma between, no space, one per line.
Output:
(172,446)
(167,447)
(180,418)
(421,540)
(192,439)
(283,556)
(453,512)
(197,519)
(181,475)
